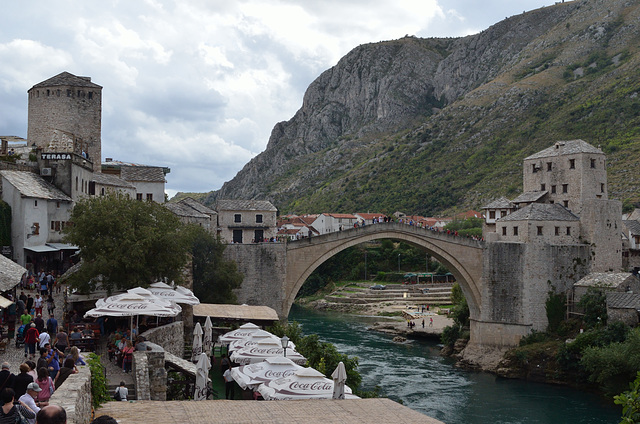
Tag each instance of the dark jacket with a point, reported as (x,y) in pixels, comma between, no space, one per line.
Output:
(20,384)
(6,379)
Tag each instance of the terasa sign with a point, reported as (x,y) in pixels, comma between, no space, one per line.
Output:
(55,156)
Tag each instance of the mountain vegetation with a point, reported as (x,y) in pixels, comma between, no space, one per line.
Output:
(431,126)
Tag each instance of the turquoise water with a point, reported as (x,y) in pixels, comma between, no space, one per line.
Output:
(415,374)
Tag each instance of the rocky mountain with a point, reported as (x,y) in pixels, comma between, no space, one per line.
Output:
(430,125)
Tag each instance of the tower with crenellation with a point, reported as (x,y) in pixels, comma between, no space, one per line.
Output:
(65,116)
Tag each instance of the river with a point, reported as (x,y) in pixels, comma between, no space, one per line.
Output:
(416,375)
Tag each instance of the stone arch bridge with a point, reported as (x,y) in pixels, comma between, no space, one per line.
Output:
(505,284)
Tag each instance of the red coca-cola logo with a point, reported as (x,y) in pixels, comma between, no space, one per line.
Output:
(128,307)
(272,375)
(269,351)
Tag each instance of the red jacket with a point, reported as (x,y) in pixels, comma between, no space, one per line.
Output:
(31,336)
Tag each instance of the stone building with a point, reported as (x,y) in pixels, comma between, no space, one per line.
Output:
(148,181)
(67,109)
(246,221)
(191,211)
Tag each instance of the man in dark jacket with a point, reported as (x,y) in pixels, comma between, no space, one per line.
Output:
(6,377)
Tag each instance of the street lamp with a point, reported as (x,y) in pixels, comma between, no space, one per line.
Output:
(285,344)
(398,262)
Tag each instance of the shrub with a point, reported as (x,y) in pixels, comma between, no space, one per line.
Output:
(555,307)
(594,305)
(99,391)
(450,334)
(630,401)
(534,337)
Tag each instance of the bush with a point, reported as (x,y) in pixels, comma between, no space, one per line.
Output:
(630,401)
(594,305)
(534,337)
(450,334)
(99,391)
(555,307)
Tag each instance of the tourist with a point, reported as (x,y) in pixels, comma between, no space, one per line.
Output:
(29,399)
(430,322)
(22,380)
(121,392)
(224,363)
(29,302)
(51,305)
(42,360)
(37,304)
(39,322)
(52,325)
(51,414)
(30,339)
(127,356)
(62,341)
(25,318)
(32,370)
(53,360)
(75,334)
(422,322)
(6,376)
(74,354)
(141,344)
(10,412)
(45,383)
(67,369)
(44,338)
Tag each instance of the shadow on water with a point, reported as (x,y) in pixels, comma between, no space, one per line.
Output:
(415,374)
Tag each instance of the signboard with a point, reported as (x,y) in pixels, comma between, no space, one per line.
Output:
(55,156)
(7,251)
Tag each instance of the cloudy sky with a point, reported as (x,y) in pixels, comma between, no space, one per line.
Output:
(198,85)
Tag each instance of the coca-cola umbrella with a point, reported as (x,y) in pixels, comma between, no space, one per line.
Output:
(264,349)
(156,299)
(240,333)
(306,383)
(202,377)
(178,295)
(252,375)
(196,347)
(255,338)
(207,338)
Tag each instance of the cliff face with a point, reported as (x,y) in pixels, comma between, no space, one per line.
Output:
(424,125)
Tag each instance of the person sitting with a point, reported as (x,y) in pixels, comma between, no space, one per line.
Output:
(74,353)
(141,344)
(87,332)
(76,334)
(9,412)
(122,391)
(67,369)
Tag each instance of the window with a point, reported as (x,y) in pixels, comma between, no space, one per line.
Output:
(48,93)
(102,191)
(565,188)
(259,218)
(565,203)
(593,163)
(503,214)
(543,187)
(504,231)
(149,197)
(549,166)
(572,164)
(557,231)
(539,230)
(58,205)
(138,196)
(515,231)
(534,169)
(57,225)
(601,187)
(90,95)
(68,93)
(492,214)
(53,225)
(35,203)
(553,189)
(237,218)
(568,231)
(258,236)
(76,183)
(237,236)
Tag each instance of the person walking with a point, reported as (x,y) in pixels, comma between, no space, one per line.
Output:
(229,389)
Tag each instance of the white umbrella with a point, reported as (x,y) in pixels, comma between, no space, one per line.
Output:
(197,342)
(202,377)
(242,332)
(156,299)
(339,376)
(265,349)
(305,383)
(207,340)
(251,340)
(251,376)
(179,295)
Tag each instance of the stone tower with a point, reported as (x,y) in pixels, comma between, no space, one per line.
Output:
(65,116)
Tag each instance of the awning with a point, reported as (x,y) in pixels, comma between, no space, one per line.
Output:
(235,312)
(63,246)
(43,248)
(10,273)
(4,302)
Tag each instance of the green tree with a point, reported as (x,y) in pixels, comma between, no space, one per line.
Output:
(214,277)
(630,401)
(594,306)
(555,308)
(124,243)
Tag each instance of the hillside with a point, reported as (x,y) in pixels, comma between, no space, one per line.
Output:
(430,125)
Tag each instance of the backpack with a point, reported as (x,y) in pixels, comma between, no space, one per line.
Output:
(116,396)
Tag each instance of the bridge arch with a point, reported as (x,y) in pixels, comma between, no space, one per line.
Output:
(462,256)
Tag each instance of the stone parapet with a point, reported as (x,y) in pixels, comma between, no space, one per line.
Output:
(140,370)
(170,337)
(75,396)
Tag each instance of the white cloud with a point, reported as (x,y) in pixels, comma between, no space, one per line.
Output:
(198,85)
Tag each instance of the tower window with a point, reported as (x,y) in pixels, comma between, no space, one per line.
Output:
(572,163)
(557,231)
(539,230)
(593,163)
(549,166)
(48,93)
(90,95)
(553,189)
(565,203)
(543,187)
(601,187)
(568,231)
(565,188)
(68,93)
(515,231)
(504,231)
(58,93)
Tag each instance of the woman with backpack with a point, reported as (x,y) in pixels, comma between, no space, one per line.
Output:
(11,413)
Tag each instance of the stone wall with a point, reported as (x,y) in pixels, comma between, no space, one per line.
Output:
(140,373)
(255,261)
(75,397)
(157,372)
(170,337)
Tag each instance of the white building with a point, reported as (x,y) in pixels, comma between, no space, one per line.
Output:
(39,213)
(149,181)
(246,221)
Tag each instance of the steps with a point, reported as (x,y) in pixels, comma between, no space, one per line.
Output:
(430,294)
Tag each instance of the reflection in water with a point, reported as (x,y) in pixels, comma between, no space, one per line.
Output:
(415,374)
